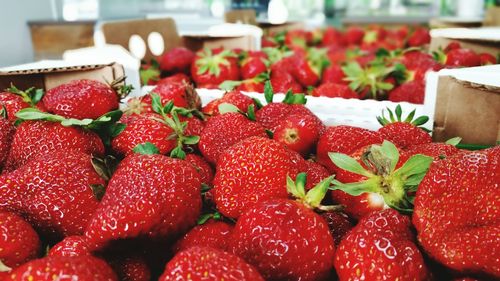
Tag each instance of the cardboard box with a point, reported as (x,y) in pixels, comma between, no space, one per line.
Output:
(270,28)
(50,74)
(454,22)
(467,104)
(492,17)
(246,16)
(485,39)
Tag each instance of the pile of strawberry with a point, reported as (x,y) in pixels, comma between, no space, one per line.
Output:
(375,63)
(234,190)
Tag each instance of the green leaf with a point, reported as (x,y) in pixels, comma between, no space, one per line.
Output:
(317,194)
(76,122)
(356,188)
(454,141)
(270,133)
(168,107)
(191,140)
(4,268)
(37,96)
(258,103)
(35,114)
(98,190)
(229,85)
(348,163)
(268,92)
(146,149)
(227,107)
(414,181)
(291,98)
(251,112)
(390,151)
(156,103)
(178,153)
(417,164)
(116,129)
(410,116)
(398,112)
(204,218)
(420,120)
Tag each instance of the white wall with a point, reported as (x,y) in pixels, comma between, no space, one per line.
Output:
(15,39)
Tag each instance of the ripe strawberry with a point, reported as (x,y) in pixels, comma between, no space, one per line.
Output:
(141,129)
(19,243)
(212,67)
(283,82)
(64,268)
(456,212)
(204,263)
(251,86)
(224,130)
(332,37)
(81,99)
(299,132)
(150,196)
(315,173)
(34,138)
(452,46)
(214,234)
(404,133)
(334,74)
(380,247)
(333,90)
(235,98)
(297,39)
(251,171)
(437,150)
(419,37)
(459,58)
(178,59)
(7,131)
(343,139)
(354,35)
(417,64)
(130,268)
(253,65)
(305,249)
(305,73)
(486,59)
(412,91)
(202,167)
(339,225)
(56,192)
(179,78)
(14,100)
(71,246)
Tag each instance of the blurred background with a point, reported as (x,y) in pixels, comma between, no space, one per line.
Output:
(21,18)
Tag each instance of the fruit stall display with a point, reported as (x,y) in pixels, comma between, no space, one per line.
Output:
(168,188)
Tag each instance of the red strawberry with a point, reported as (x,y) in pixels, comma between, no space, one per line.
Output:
(81,99)
(417,64)
(214,234)
(34,138)
(149,72)
(19,243)
(339,225)
(151,196)
(204,263)
(179,78)
(315,173)
(343,139)
(452,46)
(413,91)
(7,131)
(305,73)
(486,59)
(71,246)
(457,209)
(373,178)
(56,192)
(253,65)
(334,74)
(141,129)
(178,59)
(283,82)
(460,58)
(212,67)
(333,90)
(380,247)
(130,268)
(332,36)
(354,35)
(419,37)
(235,98)
(251,171)
(204,169)
(299,132)
(285,239)
(297,38)
(404,133)
(64,268)
(436,150)
(251,86)
(224,130)
(14,100)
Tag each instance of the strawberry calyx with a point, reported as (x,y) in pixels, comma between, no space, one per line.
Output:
(454,141)
(209,62)
(290,97)
(3,112)
(274,54)
(120,87)
(146,148)
(4,268)
(228,108)
(312,198)
(396,116)
(318,60)
(229,85)
(396,186)
(105,166)
(205,217)
(30,96)
(371,77)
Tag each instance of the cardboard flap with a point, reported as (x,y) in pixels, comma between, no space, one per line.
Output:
(119,32)
(58,67)
(492,17)
(246,16)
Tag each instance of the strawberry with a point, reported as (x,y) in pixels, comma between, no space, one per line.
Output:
(14,100)
(332,37)
(235,98)
(456,212)
(309,67)
(333,90)
(151,196)
(404,133)
(56,192)
(179,78)
(19,242)
(315,173)
(178,59)
(251,86)
(7,131)
(334,74)
(64,268)
(419,37)
(251,171)
(297,39)
(204,263)
(283,82)
(369,80)
(413,91)
(459,57)
(417,64)
(372,179)
(437,150)
(130,268)
(253,65)
(71,246)
(299,132)
(81,99)
(236,127)
(203,167)
(214,234)
(212,67)
(452,46)
(38,137)
(149,72)
(486,59)
(305,248)
(380,247)
(339,225)
(354,35)
(343,139)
